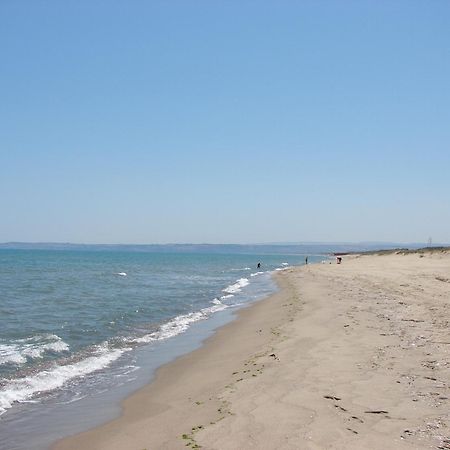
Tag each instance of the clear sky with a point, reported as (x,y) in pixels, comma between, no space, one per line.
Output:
(224,121)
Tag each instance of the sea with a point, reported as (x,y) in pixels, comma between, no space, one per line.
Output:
(81,330)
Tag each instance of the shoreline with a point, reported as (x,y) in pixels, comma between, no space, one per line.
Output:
(165,379)
(344,356)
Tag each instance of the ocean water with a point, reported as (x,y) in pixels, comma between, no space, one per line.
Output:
(73,323)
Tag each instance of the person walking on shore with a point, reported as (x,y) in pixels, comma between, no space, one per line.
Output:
(306,260)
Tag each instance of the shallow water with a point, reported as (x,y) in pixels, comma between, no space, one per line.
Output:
(78,326)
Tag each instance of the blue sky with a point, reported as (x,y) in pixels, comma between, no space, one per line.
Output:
(224,121)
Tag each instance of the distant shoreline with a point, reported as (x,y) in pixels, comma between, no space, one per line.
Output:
(280,248)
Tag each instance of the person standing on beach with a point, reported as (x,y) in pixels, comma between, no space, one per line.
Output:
(258,266)
(306,260)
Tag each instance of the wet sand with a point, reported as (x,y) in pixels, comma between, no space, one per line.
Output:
(350,356)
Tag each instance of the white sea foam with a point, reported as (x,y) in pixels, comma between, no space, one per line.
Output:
(10,355)
(285,264)
(256,273)
(181,323)
(239,270)
(23,389)
(19,351)
(121,274)
(236,287)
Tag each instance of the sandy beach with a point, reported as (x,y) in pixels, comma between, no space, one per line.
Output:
(349,356)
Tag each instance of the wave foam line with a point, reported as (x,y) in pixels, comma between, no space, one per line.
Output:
(256,274)
(181,323)
(236,287)
(23,389)
(21,350)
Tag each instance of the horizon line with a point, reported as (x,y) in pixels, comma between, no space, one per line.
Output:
(228,243)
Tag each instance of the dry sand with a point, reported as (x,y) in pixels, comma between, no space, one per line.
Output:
(350,356)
